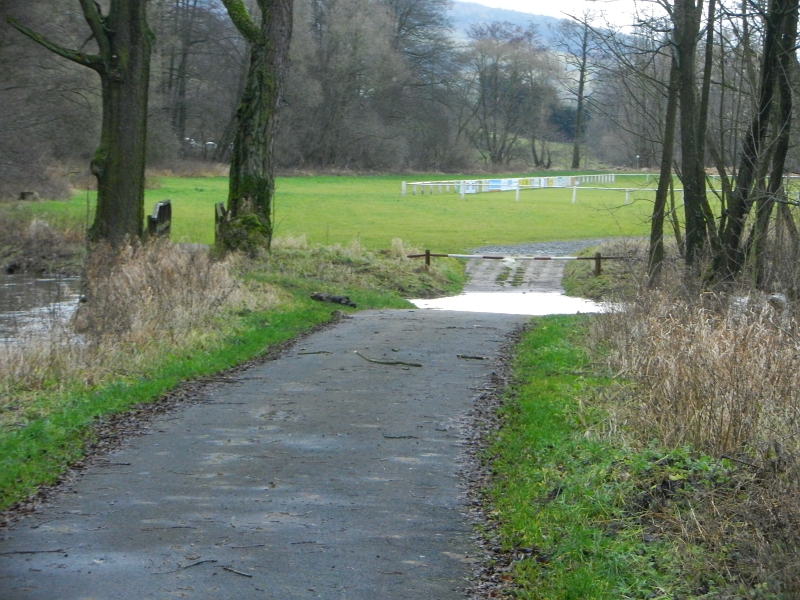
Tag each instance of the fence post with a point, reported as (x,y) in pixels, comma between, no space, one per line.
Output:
(403,190)
(574,194)
(627,196)
(597,267)
(463,188)
(427,258)
(160,222)
(517,191)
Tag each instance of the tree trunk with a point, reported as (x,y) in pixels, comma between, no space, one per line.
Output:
(252,183)
(781,17)
(119,162)
(656,254)
(123,63)
(687,27)
(787,36)
(584,58)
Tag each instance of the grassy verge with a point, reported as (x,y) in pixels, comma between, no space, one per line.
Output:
(161,315)
(578,510)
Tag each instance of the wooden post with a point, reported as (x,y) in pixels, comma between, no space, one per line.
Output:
(403,190)
(427,259)
(574,194)
(463,188)
(517,191)
(597,267)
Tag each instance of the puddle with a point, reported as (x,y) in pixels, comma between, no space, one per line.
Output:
(511,303)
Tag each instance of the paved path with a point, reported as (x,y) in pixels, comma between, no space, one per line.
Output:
(317,475)
(523,276)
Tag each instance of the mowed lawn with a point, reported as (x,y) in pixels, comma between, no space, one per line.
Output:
(332,209)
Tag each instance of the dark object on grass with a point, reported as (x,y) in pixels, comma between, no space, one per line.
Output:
(323,297)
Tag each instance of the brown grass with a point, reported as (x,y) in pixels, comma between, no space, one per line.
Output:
(717,374)
(142,302)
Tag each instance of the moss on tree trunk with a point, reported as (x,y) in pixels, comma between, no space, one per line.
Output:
(252,182)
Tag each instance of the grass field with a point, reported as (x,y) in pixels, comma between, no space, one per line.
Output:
(332,209)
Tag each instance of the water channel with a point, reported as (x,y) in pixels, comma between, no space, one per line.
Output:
(29,301)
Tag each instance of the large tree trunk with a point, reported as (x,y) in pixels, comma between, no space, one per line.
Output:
(119,161)
(123,63)
(687,27)
(252,184)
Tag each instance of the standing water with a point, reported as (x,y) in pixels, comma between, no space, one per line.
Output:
(28,301)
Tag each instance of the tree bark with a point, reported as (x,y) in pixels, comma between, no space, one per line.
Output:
(123,63)
(687,27)
(781,22)
(252,181)
(656,253)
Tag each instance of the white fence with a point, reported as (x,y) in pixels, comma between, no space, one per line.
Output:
(478,186)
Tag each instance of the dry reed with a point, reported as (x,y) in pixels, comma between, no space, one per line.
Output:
(141,303)
(718,374)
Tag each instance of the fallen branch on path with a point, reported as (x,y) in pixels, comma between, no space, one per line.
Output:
(387,362)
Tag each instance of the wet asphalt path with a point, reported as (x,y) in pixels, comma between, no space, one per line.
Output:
(317,475)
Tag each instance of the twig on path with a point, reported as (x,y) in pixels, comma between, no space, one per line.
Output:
(56,551)
(387,362)
(316,352)
(232,570)
(470,357)
(199,562)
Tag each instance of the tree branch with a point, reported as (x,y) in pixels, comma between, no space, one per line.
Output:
(94,18)
(87,60)
(241,19)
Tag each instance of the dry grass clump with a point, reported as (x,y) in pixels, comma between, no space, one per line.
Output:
(141,303)
(719,375)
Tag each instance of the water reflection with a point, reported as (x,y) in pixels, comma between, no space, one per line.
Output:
(28,301)
(510,303)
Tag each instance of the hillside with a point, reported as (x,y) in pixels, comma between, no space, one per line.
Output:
(466,14)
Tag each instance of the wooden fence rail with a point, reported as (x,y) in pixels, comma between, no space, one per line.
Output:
(597,258)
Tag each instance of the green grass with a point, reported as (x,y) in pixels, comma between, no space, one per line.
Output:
(570,500)
(331,210)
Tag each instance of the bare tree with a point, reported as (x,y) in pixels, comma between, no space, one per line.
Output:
(576,42)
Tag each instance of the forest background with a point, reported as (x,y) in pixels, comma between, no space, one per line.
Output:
(374,85)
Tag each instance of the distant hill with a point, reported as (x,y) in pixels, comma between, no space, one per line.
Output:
(465,14)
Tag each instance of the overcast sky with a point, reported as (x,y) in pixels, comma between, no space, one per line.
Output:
(618,12)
